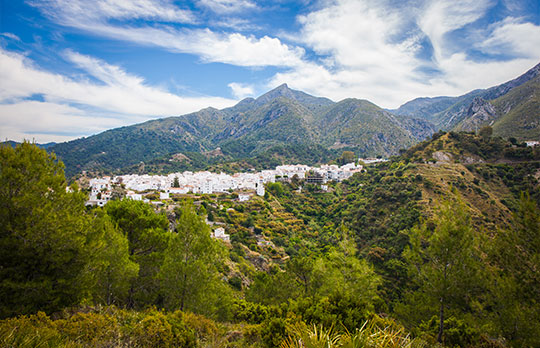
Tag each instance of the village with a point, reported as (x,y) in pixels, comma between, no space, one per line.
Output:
(245,184)
(157,189)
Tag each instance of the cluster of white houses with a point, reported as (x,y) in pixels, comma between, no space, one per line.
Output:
(208,183)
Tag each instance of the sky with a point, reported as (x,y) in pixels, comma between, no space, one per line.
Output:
(73,68)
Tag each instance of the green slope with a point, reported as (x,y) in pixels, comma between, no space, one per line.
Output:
(281,117)
(362,125)
(519,112)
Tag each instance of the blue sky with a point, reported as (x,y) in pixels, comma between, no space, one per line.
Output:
(72,68)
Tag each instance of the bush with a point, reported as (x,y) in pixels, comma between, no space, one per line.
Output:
(103,327)
(457,332)
(273,332)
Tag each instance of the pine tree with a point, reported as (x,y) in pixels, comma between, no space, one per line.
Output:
(42,234)
(444,261)
(147,235)
(189,275)
(516,287)
(110,271)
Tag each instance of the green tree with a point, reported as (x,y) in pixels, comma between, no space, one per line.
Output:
(515,253)
(276,189)
(273,288)
(42,235)
(175,182)
(189,275)
(110,271)
(486,132)
(147,234)
(342,273)
(347,157)
(302,270)
(443,260)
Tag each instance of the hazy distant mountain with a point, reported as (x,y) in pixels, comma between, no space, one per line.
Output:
(14,143)
(475,109)
(425,107)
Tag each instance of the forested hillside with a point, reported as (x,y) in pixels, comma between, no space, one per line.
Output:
(281,118)
(440,246)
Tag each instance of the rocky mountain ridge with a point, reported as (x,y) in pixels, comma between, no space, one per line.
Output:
(477,108)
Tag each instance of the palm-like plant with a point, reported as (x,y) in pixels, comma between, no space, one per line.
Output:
(304,336)
(375,333)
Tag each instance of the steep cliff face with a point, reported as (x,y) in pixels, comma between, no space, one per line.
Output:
(479,113)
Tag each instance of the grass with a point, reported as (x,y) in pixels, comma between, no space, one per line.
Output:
(375,333)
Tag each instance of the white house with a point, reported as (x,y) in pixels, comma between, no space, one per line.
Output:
(260,188)
(219,233)
(163,195)
(178,190)
(207,187)
(98,202)
(243,197)
(134,196)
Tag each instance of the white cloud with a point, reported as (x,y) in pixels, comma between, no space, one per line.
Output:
(240,90)
(234,48)
(228,6)
(371,49)
(444,16)
(125,97)
(230,48)
(100,10)
(45,122)
(11,36)
(514,36)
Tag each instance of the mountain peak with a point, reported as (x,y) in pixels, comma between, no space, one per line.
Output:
(280,91)
(283,91)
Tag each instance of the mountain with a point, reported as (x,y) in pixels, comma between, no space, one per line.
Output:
(519,112)
(282,121)
(360,124)
(292,122)
(314,104)
(14,143)
(471,111)
(424,107)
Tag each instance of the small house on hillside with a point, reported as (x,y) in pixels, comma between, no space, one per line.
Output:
(219,233)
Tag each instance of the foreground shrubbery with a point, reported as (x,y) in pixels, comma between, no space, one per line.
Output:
(103,327)
(114,327)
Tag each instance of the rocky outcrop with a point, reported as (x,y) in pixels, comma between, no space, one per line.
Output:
(479,113)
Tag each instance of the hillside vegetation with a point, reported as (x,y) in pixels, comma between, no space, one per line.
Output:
(437,247)
(281,118)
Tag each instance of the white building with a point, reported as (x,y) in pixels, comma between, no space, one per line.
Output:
(207,187)
(134,196)
(259,186)
(98,202)
(163,195)
(219,233)
(242,197)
